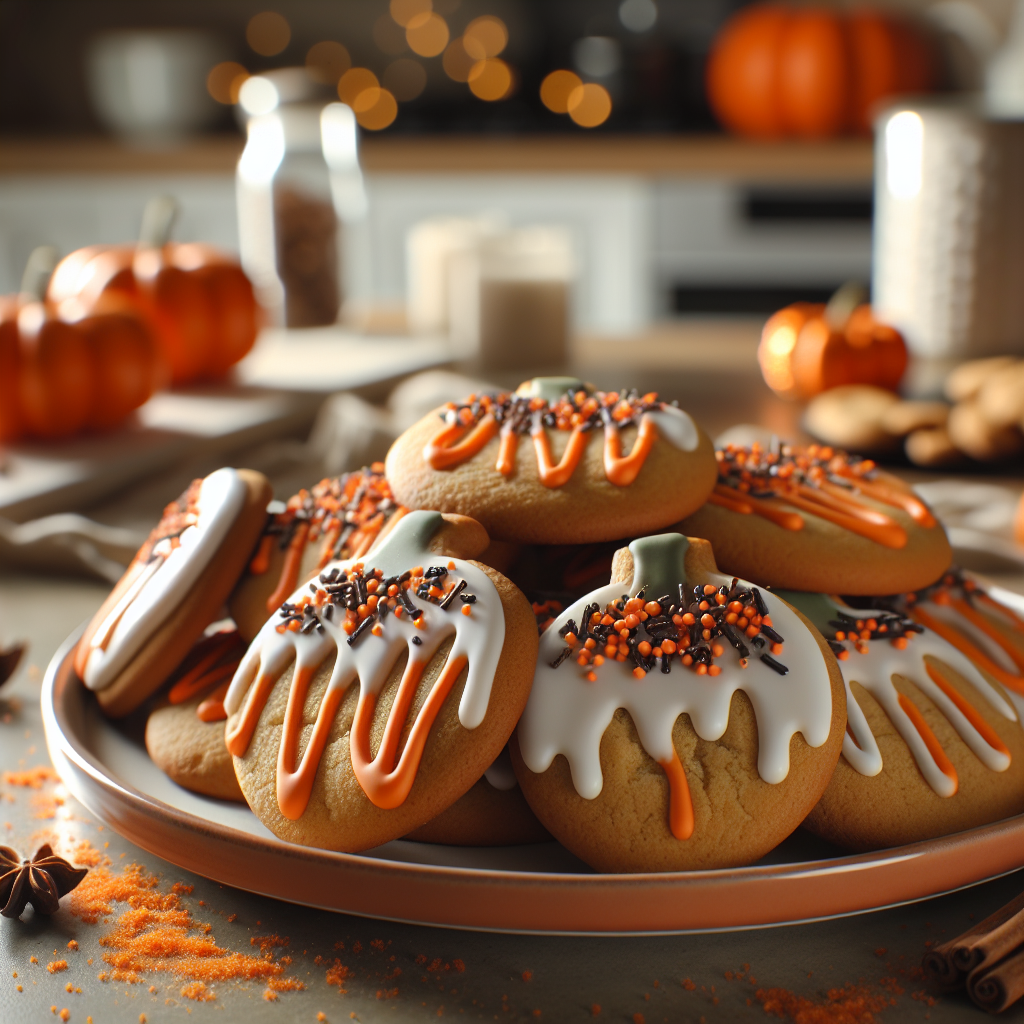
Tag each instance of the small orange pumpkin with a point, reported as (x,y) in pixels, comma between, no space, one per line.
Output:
(808,348)
(812,72)
(59,374)
(198,302)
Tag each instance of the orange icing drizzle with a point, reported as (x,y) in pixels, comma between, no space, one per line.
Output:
(968,710)
(822,498)
(200,675)
(736,501)
(942,762)
(622,471)
(506,464)
(290,570)
(441,454)
(552,475)
(238,738)
(261,560)
(386,783)
(212,709)
(680,809)
(967,646)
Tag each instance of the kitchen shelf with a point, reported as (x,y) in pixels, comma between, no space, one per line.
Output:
(704,156)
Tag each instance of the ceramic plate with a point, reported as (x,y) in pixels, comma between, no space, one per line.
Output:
(540,888)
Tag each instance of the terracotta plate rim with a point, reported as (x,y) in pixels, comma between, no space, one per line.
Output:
(531,902)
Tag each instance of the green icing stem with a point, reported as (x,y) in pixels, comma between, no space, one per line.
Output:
(659,564)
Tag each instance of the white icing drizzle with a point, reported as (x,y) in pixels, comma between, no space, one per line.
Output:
(676,427)
(874,671)
(479,636)
(568,715)
(500,774)
(166,580)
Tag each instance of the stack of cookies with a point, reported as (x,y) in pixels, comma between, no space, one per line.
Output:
(664,656)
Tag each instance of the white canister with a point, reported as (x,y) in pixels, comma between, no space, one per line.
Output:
(949,229)
(511,299)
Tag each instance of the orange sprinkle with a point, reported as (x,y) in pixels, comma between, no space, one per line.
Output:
(467,609)
(65,1014)
(56,966)
(33,778)
(73,944)
(638,672)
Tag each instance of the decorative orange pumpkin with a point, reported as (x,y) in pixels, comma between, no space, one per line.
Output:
(198,302)
(812,72)
(808,348)
(60,375)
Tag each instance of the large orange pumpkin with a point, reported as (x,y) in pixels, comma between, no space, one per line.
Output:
(811,72)
(804,351)
(199,303)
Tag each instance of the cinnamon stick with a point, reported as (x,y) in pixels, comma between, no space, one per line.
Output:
(996,988)
(978,950)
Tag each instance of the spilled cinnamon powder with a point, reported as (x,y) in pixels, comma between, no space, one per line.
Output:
(33,778)
(156,932)
(851,1004)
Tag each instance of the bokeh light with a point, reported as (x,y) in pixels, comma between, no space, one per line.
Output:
(268,33)
(490,79)
(354,82)
(456,62)
(403,11)
(638,15)
(375,109)
(405,78)
(224,81)
(326,62)
(427,34)
(389,36)
(589,105)
(485,37)
(556,89)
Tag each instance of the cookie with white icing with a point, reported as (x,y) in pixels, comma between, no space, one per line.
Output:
(173,589)
(493,813)
(185,730)
(340,517)
(679,718)
(383,689)
(817,519)
(934,691)
(529,466)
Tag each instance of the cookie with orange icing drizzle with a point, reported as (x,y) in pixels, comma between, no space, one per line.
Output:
(935,693)
(174,588)
(556,462)
(340,517)
(185,730)
(383,689)
(817,519)
(679,718)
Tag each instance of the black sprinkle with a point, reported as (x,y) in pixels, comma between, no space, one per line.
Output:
(561,657)
(759,604)
(410,607)
(435,571)
(772,635)
(452,594)
(313,587)
(329,612)
(777,666)
(733,636)
(417,641)
(569,627)
(759,641)
(467,598)
(837,647)
(362,628)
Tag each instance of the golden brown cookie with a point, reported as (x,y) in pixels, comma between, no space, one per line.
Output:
(698,736)
(528,466)
(340,517)
(816,519)
(383,689)
(173,589)
(185,731)
(493,813)
(934,743)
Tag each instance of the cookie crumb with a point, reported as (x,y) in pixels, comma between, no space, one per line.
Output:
(56,966)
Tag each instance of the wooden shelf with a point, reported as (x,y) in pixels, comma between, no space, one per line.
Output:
(841,160)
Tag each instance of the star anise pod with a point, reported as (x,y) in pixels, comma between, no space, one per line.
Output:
(40,881)
(9,659)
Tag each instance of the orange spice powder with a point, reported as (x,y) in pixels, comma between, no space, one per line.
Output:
(33,778)
(56,966)
(851,1004)
(158,933)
